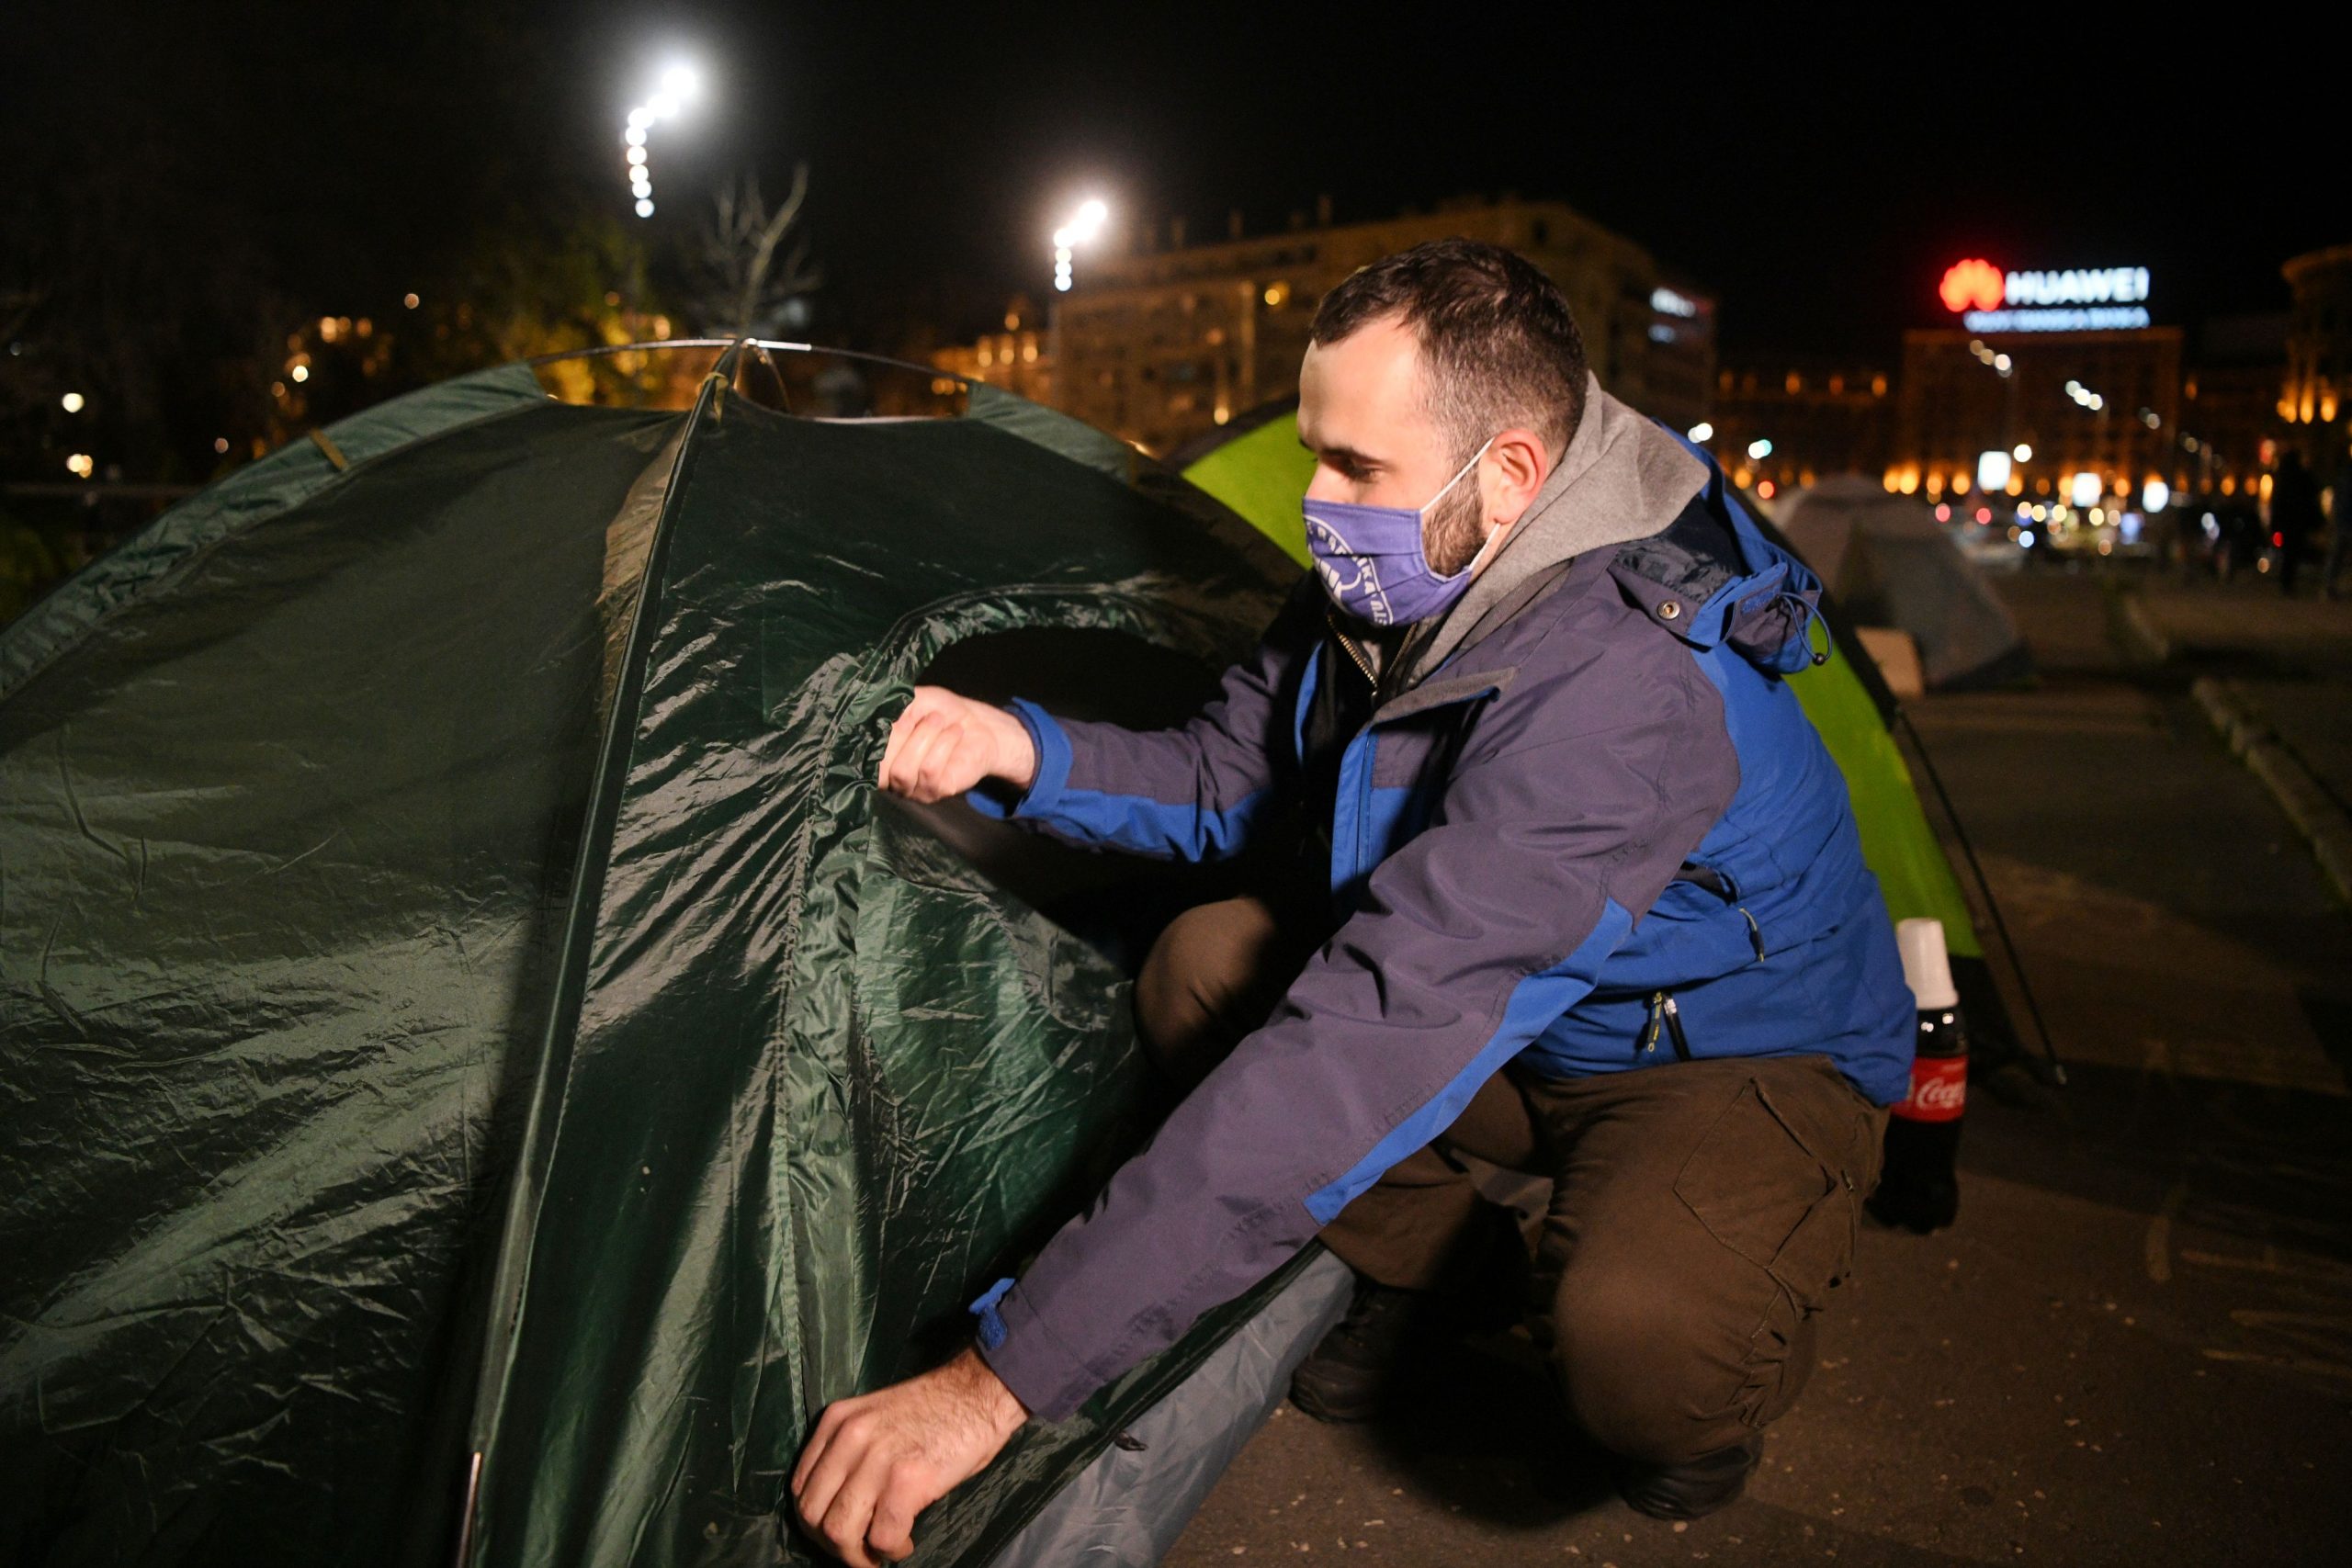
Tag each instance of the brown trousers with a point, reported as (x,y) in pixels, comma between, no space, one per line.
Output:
(1701,1211)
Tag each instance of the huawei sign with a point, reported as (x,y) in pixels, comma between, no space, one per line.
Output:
(1973,284)
(2081,299)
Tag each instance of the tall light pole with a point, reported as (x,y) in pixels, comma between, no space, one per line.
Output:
(678,86)
(1082,229)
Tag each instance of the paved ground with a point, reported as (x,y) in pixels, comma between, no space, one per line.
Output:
(2291,659)
(2137,1344)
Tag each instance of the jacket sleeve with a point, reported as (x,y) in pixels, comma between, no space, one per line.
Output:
(1550,838)
(1191,793)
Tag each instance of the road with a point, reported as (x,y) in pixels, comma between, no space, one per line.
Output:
(2136,1345)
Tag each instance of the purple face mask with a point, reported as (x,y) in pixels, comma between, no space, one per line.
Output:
(1372,561)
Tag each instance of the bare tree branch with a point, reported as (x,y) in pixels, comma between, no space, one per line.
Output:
(743,291)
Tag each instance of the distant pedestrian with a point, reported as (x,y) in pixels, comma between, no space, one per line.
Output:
(2294,515)
(2339,523)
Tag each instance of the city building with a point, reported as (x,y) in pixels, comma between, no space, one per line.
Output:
(2316,400)
(2049,384)
(1791,423)
(2230,405)
(1161,344)
(1016,359)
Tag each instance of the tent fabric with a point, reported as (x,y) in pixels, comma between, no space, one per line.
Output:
(1263,473)
(1891,564)
(1128,1508)
(469,1016)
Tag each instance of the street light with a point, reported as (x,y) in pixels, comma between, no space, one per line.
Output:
(1080,230)
(678,84)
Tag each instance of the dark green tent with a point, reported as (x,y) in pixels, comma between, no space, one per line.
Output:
(481,1058)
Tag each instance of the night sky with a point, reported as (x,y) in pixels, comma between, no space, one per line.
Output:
(1817,180)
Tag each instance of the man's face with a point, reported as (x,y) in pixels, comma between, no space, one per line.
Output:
(1361,413)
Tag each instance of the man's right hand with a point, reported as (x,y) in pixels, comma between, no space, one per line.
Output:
(943,744)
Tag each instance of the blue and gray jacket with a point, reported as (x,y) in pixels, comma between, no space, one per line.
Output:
(1587,828)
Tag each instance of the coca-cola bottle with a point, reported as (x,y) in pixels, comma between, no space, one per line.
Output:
(1919,1188)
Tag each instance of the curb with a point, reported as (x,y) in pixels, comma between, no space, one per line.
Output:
(2308,805)
(2150,643)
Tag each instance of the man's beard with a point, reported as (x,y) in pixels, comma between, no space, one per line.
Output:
(1451,536)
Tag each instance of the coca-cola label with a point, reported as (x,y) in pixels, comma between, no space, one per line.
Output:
(1938,1089)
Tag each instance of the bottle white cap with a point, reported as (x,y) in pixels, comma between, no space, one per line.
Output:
(1927,966)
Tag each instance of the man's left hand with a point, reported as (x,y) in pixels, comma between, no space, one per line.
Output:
(877,1460)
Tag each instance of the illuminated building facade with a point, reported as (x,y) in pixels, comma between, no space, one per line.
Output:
(2316,400)
(1162,345)
(2106,403)
(1789,424)
(2044,384)
(1018,360)
(2230,405)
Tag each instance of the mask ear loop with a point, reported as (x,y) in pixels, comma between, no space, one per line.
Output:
(1472,564)
(1447,488)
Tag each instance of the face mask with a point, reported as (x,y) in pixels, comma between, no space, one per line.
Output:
(1372,561)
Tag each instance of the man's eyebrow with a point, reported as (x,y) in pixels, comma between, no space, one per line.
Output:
(1345,455)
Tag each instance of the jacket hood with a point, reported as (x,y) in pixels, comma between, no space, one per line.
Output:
(1621,479)
(1712,577)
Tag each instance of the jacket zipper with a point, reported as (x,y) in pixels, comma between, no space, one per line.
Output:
(1348,644)
(1665,1014)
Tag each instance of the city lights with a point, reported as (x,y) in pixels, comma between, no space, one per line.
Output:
(1758,449)
(1701,434)
(71,403)
(1080,230)
(678,86)
(81,465)
(2021,452)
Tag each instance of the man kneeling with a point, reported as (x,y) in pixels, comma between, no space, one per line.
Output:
(1588,901)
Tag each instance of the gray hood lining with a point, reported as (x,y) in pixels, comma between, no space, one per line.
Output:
(1621,479)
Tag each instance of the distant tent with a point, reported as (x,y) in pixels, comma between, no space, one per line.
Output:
(481,1057)
(1891,564)
(1258,468)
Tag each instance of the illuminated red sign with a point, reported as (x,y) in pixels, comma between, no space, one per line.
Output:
(2078,299)
(1973,284)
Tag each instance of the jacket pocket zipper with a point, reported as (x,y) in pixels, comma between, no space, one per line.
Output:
(1665,1014)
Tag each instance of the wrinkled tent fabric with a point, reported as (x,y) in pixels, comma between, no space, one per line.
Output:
(1258,468)
(1891,564)
(460,993)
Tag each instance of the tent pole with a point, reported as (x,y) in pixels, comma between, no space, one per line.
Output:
(511,1265)
(1992,904)
(466,1518)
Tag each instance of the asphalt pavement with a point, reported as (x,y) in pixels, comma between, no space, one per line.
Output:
(2134,1346)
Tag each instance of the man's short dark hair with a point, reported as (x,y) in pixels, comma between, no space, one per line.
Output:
(1499,347)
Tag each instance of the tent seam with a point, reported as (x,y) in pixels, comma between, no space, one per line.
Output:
(506,1306)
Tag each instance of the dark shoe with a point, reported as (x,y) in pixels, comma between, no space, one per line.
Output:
(1351,1372)
(1693,1490)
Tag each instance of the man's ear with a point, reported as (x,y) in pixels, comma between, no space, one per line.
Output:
(1517,464)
